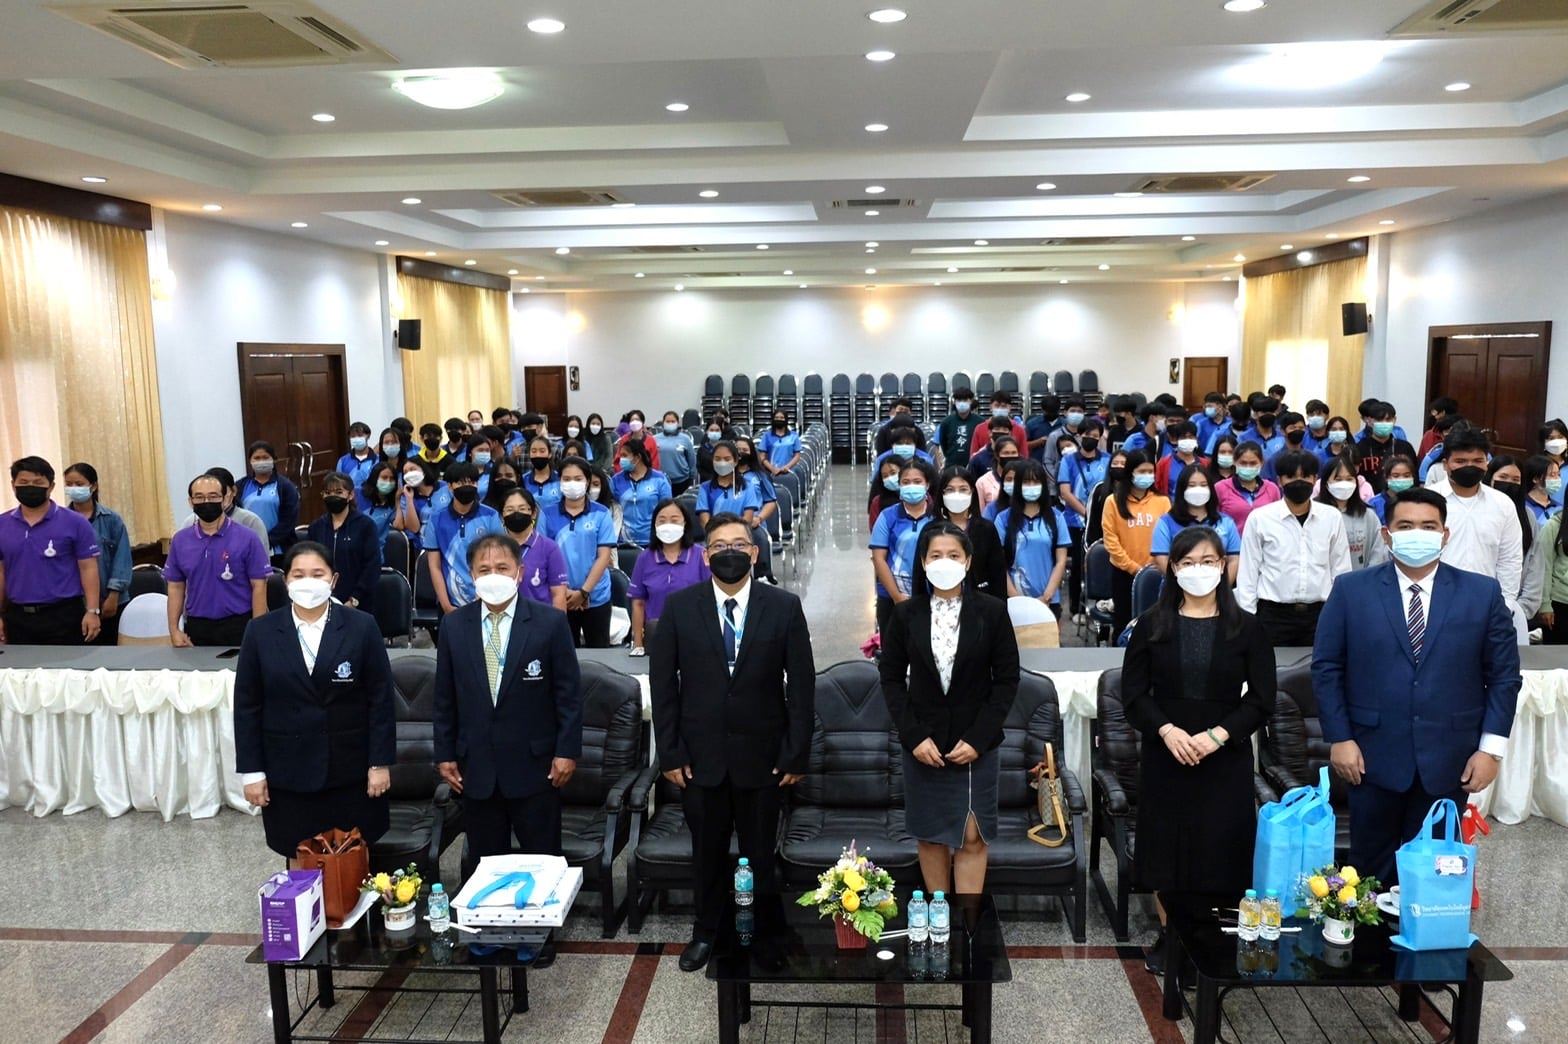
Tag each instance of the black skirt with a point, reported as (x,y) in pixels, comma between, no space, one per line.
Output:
(938,801)
(292,816)
(1196,825)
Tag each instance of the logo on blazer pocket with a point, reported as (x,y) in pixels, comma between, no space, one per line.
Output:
(344,672)
(534,670)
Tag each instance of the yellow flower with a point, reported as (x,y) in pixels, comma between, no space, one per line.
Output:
(853,880)
(382,882)
(1350,876)
(887,909)
(1318,884)
(1347,894)
(406,890)
(850,901)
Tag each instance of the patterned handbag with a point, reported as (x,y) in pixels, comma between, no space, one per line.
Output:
(1048,794)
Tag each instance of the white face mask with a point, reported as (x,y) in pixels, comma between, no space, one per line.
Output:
(669,532)
(945,573)
(495,589)
(1341,490)
(1197,496)
(1556,446)
(1199,580)
(573,430)
(957,501)
(309,592)
(1187,445)
(573,489)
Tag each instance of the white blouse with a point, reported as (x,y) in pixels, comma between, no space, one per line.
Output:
(944,635)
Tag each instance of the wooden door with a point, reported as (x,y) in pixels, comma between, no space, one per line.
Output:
(295,396)
(544,392)
(1201,375)
(1497,372)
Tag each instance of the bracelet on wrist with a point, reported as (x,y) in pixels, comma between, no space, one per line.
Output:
(1217,741)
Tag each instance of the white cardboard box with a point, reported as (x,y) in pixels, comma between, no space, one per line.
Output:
(555,889)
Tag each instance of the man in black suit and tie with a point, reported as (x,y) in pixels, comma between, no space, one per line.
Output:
(508,709)
(733,687)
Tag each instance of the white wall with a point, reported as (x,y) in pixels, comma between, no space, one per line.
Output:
(1504,265)
(236,284)
(653,349)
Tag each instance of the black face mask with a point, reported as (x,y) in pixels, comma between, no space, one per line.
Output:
(1298,491)
(1467,477)
(334,504)
(455,436)
(1088,447)
(1512,490)
(1265,420)
(433,442)
(465,494)
(1295,437)
(781,425)
(208,511)
(729,567)
(31,496)
(499,488)
(518,521)
(540,463)
(1115,474)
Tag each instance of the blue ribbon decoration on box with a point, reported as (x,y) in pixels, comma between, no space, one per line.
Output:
(521,879)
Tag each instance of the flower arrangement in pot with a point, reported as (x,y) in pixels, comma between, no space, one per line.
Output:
(399,891)
(858,895)
(1340,898)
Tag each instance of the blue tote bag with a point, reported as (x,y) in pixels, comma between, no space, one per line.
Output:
(1295,838)
(1436,875)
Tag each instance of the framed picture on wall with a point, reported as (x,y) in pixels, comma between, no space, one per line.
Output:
(573,379)
(1175,371)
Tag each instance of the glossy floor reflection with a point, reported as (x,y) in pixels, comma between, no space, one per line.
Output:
(135,930)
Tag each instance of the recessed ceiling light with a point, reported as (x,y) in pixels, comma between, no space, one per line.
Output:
(1063,282)
(803,286)
(1457,86)
(513,271)
(430,253)
(952,269)
(539,278)
(875,190)
(709,193)
(1046,186)
(680,286)
(677,107)
(982,242)
(1226,278)
(621,206)
(872,243)
(1357,179)
(1304,257)
(871,271)
(762,246)
(324,117)
(880,56)
(94,179)
(1331,235)
(937,283)
(451,90)
(1244,6)
(639,275)
(563,251)
(1386,221)
(1189,239)
(873,213)
(383,242)
(1239,258)
(875,128)
(527,290)
(789,271)
(1078,96)
(212,208)
(412,201)
(546,26)
(298,224)
(1286,246)
(1310,66)
(887,15)
(871,250)
(470,261)
(1105,268)
(1127,195)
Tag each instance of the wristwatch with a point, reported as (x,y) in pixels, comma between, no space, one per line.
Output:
(1496,757)
(96,612)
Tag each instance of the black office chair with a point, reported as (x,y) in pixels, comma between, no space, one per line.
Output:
(1118,751)
(146,579)
(619,583)
(395,552)
(394,606)
(626,558)
(1292,749)
(427,609)
(277,590)
(425,820)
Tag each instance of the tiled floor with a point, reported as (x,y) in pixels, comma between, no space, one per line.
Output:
(136,930)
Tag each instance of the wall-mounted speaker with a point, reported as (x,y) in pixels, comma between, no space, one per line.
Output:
(407,336)
(1353,317)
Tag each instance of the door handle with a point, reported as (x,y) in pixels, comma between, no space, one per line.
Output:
(297,451)
(308,464)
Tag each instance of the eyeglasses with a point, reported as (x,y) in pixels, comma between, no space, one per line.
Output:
(1210,561)
(734,545)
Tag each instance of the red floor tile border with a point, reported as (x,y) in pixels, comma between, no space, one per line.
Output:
(1062,953)
(596,946)
(89,935)
(892,1021)
(1148,991)
(634,995)
(129,994)
(371,1004)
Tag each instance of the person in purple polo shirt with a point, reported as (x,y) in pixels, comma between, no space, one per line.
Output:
(541,570)
(672,561)
(48,565)
(217,573)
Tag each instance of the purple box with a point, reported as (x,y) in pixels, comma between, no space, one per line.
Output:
(293,914)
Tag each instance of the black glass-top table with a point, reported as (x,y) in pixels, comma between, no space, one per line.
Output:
(369,947)
(1302,960)
(776,942)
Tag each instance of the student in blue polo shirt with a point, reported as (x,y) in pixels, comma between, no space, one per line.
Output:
(1317,426)
(1076,478)
(413,501)
(677,455)
(1150,438)
(1195,503)
(359,459)
(585,532)
(376,499)
(1034,538)
(728,492)
(1211,420)
(638,488)
(895,535)
(454,526)
(1238,427)
(270,496)
(780,446)
(49,564)
(538,472)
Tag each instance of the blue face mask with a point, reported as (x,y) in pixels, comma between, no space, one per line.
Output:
(962,406)
(890,483)
(78,494)
(1382,429)
(1143,480)
(1317,422)
(357,442)
(903,451)
(481,459)
(1338,435)
(715,436)
(1031,493)
(628,464)
(1399,485)
(1074,418)
(1211,411)
(1416,547)
(913,493)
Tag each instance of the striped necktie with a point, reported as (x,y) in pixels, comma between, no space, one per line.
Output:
(493,655)
(1417,621)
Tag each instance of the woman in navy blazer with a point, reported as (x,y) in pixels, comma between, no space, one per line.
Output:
(314,729)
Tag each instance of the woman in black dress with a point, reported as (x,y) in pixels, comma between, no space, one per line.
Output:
(949,673)
(1182,681)
(959,503)
(314,729)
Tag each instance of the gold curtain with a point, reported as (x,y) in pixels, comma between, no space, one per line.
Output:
(1291,334)
(465,361)
(78,368)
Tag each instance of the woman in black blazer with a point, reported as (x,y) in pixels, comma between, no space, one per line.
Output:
(949,673)
(314,729)
(1182,688)
(960,504)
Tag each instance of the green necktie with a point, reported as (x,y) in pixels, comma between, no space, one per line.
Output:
(493,655)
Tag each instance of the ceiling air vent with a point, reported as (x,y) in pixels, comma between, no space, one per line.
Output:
(1202,183)
(253,34)
(559,198)
(860,204)
(1451,17)
(1086,241)
(666,249)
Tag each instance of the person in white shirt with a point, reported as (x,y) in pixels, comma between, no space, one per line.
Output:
(1483,524)
(1291,551)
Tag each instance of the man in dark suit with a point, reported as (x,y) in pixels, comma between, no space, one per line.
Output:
(1416,672)
(733,689)
(508,709)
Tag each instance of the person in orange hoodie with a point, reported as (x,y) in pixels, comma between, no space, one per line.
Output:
(1128,522)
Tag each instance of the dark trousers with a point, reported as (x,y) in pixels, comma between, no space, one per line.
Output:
(713,814)
(1382,820)
(677,488)
(47,623)
(1074,580)
(590,627)
(1557,634)
(884,612)
(492,823)
(226,631)
(1121,602)
(1292,624)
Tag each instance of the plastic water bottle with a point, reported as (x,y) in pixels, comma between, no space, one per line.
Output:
(1271,916)
(919,913)
(440,909)
(743,882)
(941,919)
(745,925)
(1249,915)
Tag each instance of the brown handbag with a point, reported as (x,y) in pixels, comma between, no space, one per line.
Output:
(343,859)
(1048,792)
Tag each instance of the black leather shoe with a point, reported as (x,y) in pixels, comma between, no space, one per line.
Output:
(546,955)
(695,956)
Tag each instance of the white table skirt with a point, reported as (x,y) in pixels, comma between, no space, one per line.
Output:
(153,741)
